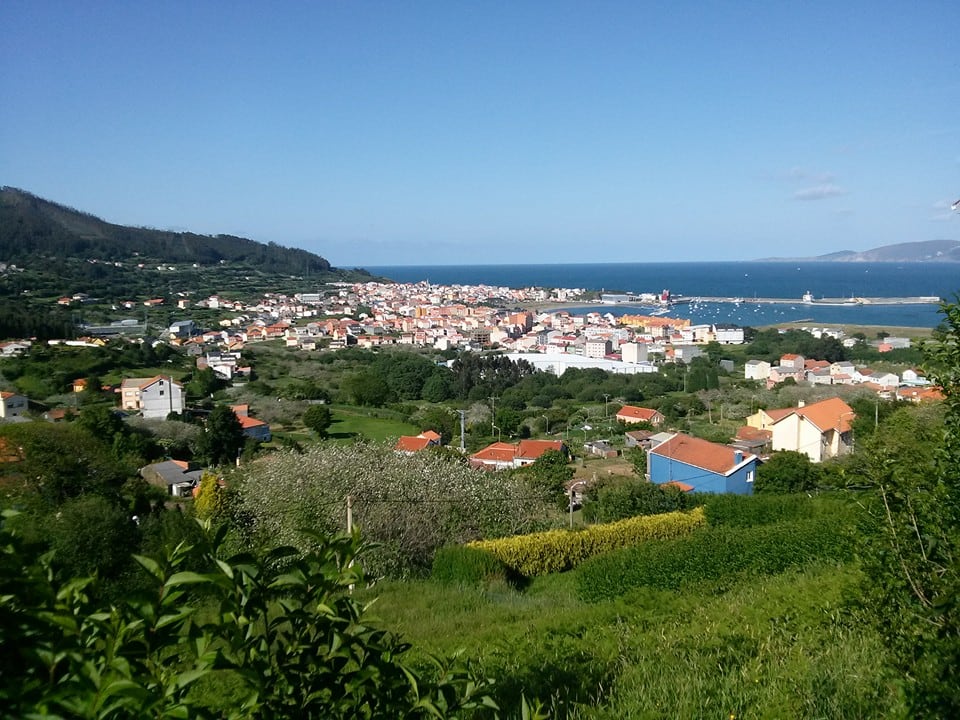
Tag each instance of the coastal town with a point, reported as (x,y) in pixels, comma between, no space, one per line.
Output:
(528,325)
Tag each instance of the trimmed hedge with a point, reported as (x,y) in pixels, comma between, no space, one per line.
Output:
(750,510)
(558,550)
(714,554)
(467,565)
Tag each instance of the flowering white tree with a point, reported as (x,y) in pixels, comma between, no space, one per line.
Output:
(409,505)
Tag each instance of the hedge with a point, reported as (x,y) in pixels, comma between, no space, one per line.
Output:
(467,565)
(558,550)
(713,554)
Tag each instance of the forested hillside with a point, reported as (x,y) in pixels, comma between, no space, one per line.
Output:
(31,227)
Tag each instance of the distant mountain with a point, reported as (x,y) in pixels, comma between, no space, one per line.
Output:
(925,251)
(32,228)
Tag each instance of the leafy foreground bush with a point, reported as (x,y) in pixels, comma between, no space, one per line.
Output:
(558,550)
(284,629)
(713,554)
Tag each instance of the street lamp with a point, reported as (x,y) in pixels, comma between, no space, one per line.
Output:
(606,397)
(578,482)
(545,417)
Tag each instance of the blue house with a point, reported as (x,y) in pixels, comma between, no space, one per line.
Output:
(697,465)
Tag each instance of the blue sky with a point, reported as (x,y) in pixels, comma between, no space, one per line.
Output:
(485,132)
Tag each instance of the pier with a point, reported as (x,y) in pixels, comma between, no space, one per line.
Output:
(838,302)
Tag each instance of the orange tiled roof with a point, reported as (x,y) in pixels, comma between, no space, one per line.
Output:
(410,443)
(247,422)
(829,414)
(496,452)
(639,413)
(430,435)
(751,433)
(700,453)
(532,449)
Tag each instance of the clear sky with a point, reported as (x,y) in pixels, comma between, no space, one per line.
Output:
(484,132)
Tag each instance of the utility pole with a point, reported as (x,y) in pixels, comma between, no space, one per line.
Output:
(350,528)
(463,430)
(493,412)
(606,398)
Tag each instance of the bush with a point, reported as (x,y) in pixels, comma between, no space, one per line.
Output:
(615,498)
(558,550)
(751,510)
(714,554)
(467,565)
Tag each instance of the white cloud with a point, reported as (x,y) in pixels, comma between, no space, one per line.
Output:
(819,192)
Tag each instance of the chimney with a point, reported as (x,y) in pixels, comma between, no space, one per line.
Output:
(801,404)
(737,457)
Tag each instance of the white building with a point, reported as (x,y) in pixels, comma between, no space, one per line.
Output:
(154,397)
(634,352)
(756,370)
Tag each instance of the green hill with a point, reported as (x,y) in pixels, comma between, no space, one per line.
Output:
(32,228)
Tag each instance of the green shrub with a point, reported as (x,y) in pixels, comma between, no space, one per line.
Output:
(714,554)
(615,498)
(751,510)
(559,550)
(466,565)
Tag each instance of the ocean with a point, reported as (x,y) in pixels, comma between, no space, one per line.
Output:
(727,279)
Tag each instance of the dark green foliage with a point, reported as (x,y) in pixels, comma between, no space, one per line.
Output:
(787,471)
(467,566)
(92,535)
(31,227)
(318,418)
(751,510)
(615,498)
(57,462)
(283,629)
(911,535)
(549,473)
(222,438)
(714,554)
(23,318)
(479,376)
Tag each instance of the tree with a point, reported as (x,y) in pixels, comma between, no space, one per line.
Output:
(911,547)
(408,506)
(222,438)
(787,471)
(550,474)
(318,418)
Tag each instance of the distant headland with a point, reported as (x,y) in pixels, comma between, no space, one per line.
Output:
(913,252)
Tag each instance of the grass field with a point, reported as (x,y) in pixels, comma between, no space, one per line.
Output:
(786,646)
(350,422)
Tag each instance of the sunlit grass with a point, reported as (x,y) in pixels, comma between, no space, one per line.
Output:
(778,647)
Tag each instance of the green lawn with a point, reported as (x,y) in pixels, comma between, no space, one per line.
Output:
(350,423)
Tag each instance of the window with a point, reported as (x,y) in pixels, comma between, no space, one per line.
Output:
(161,393)
(750,474)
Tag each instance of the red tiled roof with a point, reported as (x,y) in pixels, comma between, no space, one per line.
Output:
(532,449)
(247,422)
(680,485)
(638,413)
(410,443)
(751,433)
(700,453)
(829,414)
(430,435)
(497,452)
